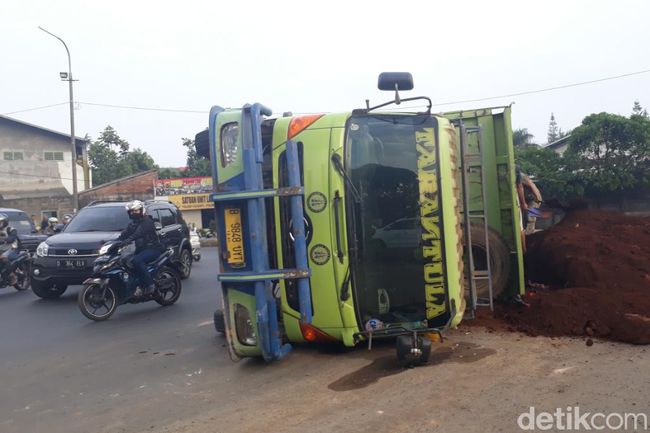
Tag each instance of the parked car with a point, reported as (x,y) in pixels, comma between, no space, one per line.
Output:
(67,258)
(28,237)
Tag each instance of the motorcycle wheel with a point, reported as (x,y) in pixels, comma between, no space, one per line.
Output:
(22,273)
(96,302)
(168,286)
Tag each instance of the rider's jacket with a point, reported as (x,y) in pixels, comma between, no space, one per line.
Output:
(7,236)
(142,231)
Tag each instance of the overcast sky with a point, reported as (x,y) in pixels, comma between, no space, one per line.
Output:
(304,56)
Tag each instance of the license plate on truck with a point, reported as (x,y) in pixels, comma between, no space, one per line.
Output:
(234,239)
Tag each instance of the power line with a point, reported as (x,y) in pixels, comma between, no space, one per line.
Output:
(548,89)
(35,108)
(508,95)
(171,110)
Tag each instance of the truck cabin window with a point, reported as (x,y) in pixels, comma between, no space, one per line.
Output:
(384,228)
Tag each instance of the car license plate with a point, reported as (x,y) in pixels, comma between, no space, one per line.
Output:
(234,239)
(71,264)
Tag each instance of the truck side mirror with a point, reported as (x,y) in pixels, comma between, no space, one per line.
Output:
(395,81)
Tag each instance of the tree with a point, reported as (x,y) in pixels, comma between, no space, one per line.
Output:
(638,110)
(612,152)
(110,158)
(196,165)
(553,131)
(168,173)
(522,138)
(554,175)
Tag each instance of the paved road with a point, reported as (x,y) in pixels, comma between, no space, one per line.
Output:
(163,370)
(63,373)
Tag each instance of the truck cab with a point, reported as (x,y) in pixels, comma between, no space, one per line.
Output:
(339,226)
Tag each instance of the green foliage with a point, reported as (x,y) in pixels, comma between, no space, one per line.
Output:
(612,152)
(553,130)
(110,158)
(169,173)
(553,174)
(522,138)
(638,111)
(196,165)
(607,154)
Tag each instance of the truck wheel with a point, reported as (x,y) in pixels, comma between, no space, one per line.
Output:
(47,290)
(406,357)
(499,260)
(219,324)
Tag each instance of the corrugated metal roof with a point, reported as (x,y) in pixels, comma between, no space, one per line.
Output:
(50,131)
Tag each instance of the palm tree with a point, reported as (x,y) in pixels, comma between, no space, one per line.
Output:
(522,138)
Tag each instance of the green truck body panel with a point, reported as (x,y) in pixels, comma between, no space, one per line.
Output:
(499,168)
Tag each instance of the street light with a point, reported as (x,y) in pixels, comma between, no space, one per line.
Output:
(67,76)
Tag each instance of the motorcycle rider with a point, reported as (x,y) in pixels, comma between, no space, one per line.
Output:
(142,231)
(8,235)
(51,225)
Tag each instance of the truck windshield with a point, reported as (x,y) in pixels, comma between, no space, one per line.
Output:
(384,223)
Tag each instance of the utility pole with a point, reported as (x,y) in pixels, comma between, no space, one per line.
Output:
(68,77)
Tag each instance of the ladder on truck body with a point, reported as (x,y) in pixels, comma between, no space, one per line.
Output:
(474,163)
(259,276)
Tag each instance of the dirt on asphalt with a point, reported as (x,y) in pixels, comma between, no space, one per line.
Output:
(595,270)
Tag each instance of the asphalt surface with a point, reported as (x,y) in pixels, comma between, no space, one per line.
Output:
(63,373)
(164,369)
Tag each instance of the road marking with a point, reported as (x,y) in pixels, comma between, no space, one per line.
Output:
(206,323)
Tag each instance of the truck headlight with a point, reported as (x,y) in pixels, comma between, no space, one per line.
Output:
(42,249)
(244,326)
(229,143)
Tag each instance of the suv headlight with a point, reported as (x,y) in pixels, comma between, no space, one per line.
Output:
(42,249)
(244,326)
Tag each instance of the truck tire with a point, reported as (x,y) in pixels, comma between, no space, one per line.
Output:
(499,260)
(219,322)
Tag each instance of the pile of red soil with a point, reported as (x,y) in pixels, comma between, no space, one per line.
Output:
(597,267)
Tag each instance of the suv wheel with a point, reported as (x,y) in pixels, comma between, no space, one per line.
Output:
(186,263)
(47,290)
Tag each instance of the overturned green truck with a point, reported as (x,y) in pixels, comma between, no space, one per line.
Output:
(359,225)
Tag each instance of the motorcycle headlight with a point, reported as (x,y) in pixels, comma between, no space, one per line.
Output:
(42,249)
(229,143)
(244,326)
(14,245)
(104,249)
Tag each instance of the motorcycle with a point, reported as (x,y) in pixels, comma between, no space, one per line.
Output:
(114,282)
(196,245)
(15,273)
